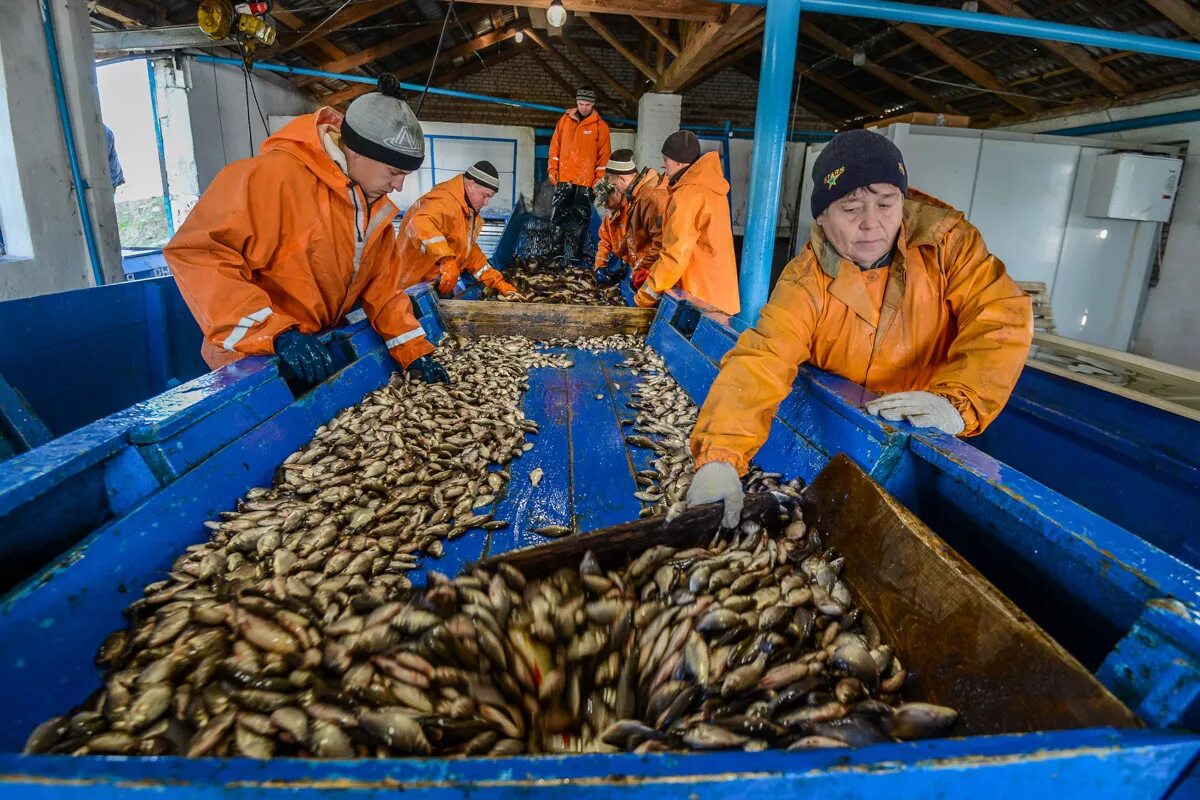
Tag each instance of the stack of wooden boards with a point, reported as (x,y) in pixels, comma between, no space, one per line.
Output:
(1043,314)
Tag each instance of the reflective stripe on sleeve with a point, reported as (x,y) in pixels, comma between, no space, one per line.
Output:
(396,341)
(243,327)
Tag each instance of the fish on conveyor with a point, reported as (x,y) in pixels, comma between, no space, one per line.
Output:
(543,280)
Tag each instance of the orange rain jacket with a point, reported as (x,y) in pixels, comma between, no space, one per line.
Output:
(951,322)
(613,235)
(285,240)
(579,149)
(644,233)
(440,225)
(697,240)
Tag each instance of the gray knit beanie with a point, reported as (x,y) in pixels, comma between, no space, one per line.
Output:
(381,126)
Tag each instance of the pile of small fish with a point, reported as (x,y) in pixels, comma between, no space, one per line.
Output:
(663,424)
(546,281)
(241,619)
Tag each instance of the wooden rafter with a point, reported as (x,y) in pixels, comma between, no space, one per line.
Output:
(350,15)
(594,68)
(1072,54)
(313,51)
(900,84)
(117,12)
(599,27)
(420,68)
(553,75)
(1182,13)
(745,44)
(841,90)
(479,64)
(662,9)
(832,117)
(652,28)
(706,43)
(396,43)
(1099,104)
(965,65)
(580,75)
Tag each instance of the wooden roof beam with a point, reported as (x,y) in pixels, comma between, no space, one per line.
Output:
(1182,13)
(583,78)
(705,43)
(422,67)
(352,14)
(1072,54)
(595,67)
(652,28)
(965,65)
(661,9)
(900,84)
(599,27)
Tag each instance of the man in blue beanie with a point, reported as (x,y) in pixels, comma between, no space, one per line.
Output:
(896,291)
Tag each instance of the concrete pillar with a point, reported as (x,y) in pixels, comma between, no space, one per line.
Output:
(171,84)
(658,118)
(76,54)
(38,211)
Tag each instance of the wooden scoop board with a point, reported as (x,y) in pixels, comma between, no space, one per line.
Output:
(964,643)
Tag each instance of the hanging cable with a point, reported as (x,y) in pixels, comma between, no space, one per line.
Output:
(320,24)
(251,91)
(436,54)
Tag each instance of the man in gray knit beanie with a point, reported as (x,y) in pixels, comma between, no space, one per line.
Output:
(283,245)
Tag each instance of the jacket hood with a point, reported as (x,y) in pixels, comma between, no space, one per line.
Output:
(302,139)
(454,188)
(704,173)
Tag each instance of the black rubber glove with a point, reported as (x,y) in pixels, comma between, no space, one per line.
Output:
(612,272)
(428,370)
(304,355)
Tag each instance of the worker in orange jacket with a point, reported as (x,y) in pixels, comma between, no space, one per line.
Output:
(697,238)
(896,291)
(439,237)
(579,149)
(613,202)
(650,195)
(283,245)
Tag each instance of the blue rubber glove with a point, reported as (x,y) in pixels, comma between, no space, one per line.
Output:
(428,370)
(612,272)
(304,356)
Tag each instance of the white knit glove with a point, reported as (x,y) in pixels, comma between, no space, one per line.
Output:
(923,409)
(718,480)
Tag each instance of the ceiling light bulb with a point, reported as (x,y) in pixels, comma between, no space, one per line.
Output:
(859,58)
(520,37)
(970,5)
(556,15)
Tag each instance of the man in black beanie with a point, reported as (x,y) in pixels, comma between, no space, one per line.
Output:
(896,291)
(697,233)
(579,149)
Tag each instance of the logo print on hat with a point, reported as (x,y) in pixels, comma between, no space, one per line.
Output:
(403,140)
(900,164)
(832,178)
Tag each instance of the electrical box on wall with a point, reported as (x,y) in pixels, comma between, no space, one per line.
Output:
(1134,186)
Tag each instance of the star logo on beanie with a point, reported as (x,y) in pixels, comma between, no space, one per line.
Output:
(900,164)
(403,140)
(832,178)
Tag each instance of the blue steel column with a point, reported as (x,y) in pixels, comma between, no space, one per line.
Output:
(766,159)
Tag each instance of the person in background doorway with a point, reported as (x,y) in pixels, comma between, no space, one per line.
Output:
(285,244)
(896,291)
(114,162)
(579,149)
(697,238)
(439,235)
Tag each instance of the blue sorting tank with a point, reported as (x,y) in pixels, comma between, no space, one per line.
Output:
(118,499)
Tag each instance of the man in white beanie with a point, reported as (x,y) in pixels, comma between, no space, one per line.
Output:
(283,245)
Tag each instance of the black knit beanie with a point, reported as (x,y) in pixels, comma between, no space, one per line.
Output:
(854,159)
(682,146)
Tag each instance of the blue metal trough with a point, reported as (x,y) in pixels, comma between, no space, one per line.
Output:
(111,505)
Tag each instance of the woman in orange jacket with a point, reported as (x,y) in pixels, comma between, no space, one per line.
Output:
(439,237)
(895,291)
(285,244)
(697,238)
(579,149)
